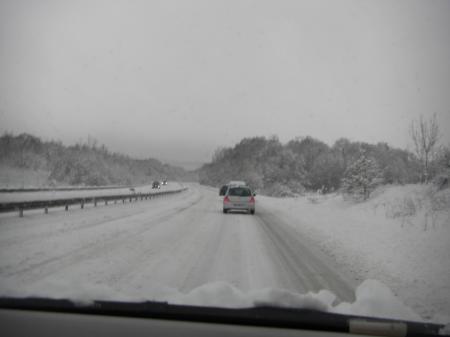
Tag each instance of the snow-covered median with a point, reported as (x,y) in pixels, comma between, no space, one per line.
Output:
(58,194)
(401,236)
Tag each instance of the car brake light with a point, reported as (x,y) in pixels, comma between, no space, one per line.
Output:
(252,200)
(226,200)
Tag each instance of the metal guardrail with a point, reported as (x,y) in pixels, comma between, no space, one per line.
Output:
(60,189)
(21,206)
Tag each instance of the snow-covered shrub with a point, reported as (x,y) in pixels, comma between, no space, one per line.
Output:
(423,206)
(439,199)
(403,208)
(296,187)
(441,166)
(313,199)
(278,190)
(441,181)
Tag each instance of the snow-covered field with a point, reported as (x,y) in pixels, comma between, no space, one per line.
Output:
(316,252)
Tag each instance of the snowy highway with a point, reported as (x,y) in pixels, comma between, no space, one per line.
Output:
(179,241)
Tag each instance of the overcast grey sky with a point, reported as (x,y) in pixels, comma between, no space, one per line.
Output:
(176,79)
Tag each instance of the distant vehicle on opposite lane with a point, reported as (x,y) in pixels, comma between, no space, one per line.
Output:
(239,198)
(156,185)
(223,190)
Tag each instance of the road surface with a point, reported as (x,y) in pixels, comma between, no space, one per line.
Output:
(179,241)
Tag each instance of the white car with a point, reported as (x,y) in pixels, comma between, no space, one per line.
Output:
(239,198)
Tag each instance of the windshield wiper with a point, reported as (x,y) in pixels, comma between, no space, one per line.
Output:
(266,316)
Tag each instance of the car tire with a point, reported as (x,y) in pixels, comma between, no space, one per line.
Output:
(252,212)
(225,211)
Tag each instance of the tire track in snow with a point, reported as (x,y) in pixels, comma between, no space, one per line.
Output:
(206,257)
(300,266)
(167,244)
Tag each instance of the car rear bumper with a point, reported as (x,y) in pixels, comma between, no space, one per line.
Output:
(237,206)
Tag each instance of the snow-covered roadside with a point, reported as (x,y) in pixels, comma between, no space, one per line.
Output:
(390,238)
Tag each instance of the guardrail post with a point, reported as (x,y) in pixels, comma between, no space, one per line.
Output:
(131,199)
(123,201)
(106,202)
(95,202)
(46,210)
(21,212)
(82,204)
(67,207)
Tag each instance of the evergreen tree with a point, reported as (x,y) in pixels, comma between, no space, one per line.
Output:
(361,177)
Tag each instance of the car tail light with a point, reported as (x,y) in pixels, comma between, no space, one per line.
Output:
(226,200)
(252,200)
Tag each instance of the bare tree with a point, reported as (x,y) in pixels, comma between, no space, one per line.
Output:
(425,135)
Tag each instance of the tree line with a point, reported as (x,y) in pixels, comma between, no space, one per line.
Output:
(82,163)
(308,164)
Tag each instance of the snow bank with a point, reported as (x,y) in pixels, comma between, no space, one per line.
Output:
(373,298)
(401,236)
(221,294)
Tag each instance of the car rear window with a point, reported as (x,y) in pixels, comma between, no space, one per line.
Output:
(239,192)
